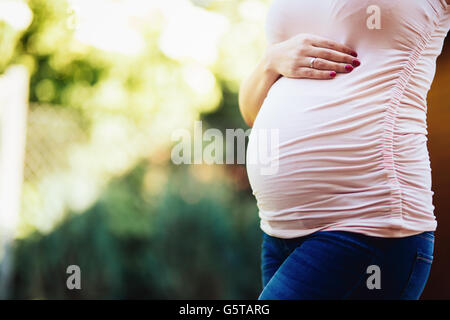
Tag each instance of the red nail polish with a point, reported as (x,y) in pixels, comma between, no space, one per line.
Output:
(356,63)
(332,74)
(348,68)
(353,53)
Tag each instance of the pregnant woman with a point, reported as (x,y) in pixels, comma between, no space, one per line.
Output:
(348,213)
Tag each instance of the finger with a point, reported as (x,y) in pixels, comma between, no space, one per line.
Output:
(322,64)
(310,73)
(333,55)
(320,42)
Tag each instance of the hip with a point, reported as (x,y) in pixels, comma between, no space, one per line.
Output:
(342,265)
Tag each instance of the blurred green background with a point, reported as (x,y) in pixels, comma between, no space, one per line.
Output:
(110,81)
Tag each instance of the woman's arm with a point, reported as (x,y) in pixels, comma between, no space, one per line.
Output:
(292,58)
(254,89)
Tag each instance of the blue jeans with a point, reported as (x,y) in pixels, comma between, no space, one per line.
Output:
(344,265)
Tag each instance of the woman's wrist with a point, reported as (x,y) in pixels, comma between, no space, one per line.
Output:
(269,63)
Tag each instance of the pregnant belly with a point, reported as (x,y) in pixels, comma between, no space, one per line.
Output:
(325,148)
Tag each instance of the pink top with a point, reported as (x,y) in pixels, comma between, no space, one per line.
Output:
(352,152)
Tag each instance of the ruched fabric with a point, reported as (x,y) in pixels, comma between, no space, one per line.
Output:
(351,152)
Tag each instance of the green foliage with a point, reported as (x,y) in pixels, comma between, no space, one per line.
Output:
(188,239)
(131,245)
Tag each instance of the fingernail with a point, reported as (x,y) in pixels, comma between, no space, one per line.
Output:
(332,74)
(356,63)
(348,68)
(353,53)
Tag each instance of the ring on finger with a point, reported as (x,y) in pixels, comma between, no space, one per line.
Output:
(311,63)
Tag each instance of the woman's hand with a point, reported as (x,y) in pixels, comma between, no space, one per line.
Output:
(292,58)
